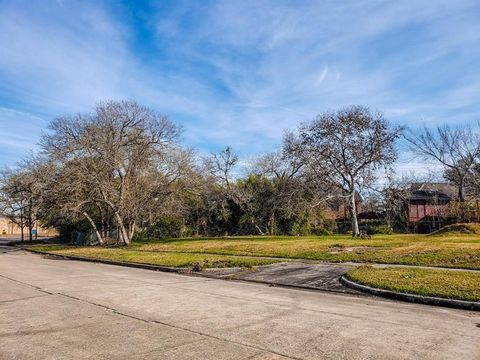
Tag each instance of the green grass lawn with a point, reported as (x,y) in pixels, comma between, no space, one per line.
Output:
(455,250)
(461,285)
(186,260)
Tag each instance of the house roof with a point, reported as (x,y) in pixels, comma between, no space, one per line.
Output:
(429,196)
(430,190)
(441,187)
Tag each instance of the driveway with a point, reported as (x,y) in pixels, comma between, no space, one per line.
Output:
(57,309)
(308,275)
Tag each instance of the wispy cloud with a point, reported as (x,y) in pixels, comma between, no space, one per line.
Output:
(239,73)
(19,134)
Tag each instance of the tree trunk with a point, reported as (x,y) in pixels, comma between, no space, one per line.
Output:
(122,231)
(22,224)
(353,212)
(461,195)
(125,239)
(272,222)
(132,230)
(30,225)
(461,199)
(259,230)
(92,223)
(103,221)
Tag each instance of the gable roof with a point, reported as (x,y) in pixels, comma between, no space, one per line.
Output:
(434,196)
(445,188)
(428,190)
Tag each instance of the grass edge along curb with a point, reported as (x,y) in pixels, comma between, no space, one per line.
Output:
(171,269)
(413,298)
(112,262)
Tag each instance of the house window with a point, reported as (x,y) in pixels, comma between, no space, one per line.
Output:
(417,211)
(421,211)
(413,211)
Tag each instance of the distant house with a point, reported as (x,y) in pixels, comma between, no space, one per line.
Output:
(428,206)
(338,208)
(338,211)
(9,228)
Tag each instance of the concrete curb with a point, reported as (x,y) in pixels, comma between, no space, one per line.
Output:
(277,284)
(112,262)
(419,299)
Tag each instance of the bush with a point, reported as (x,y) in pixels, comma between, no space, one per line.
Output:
(378,229)
(166,227)
(322,231)
(327,227)
(300,227)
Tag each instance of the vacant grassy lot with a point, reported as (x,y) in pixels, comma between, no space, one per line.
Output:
(461,285)
(453,250)
(157,258)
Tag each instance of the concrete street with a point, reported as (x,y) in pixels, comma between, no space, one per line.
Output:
(58,309)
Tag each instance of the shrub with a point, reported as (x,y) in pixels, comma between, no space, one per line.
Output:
(378,229)
(166,227)
(300,227)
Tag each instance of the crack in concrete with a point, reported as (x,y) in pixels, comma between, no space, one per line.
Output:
(115,311)
(27,284)
(169,348)
(25,298)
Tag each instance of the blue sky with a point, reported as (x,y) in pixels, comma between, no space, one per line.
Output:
(236,73)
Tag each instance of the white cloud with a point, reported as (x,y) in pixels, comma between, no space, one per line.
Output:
(19,134)
(48,59)
(239,73)
(272,56)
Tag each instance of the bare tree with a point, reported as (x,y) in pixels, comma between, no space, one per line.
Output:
(112,159)
(287,187)
(221,165)
(457,150)
(19,197)
(346,148)
(13,200)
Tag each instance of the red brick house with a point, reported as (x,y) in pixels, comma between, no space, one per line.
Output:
(428,206)
(339,207)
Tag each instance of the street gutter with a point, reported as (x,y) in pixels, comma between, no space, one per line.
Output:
(413,298)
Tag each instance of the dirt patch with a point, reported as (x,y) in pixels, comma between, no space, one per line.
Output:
(335,249)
